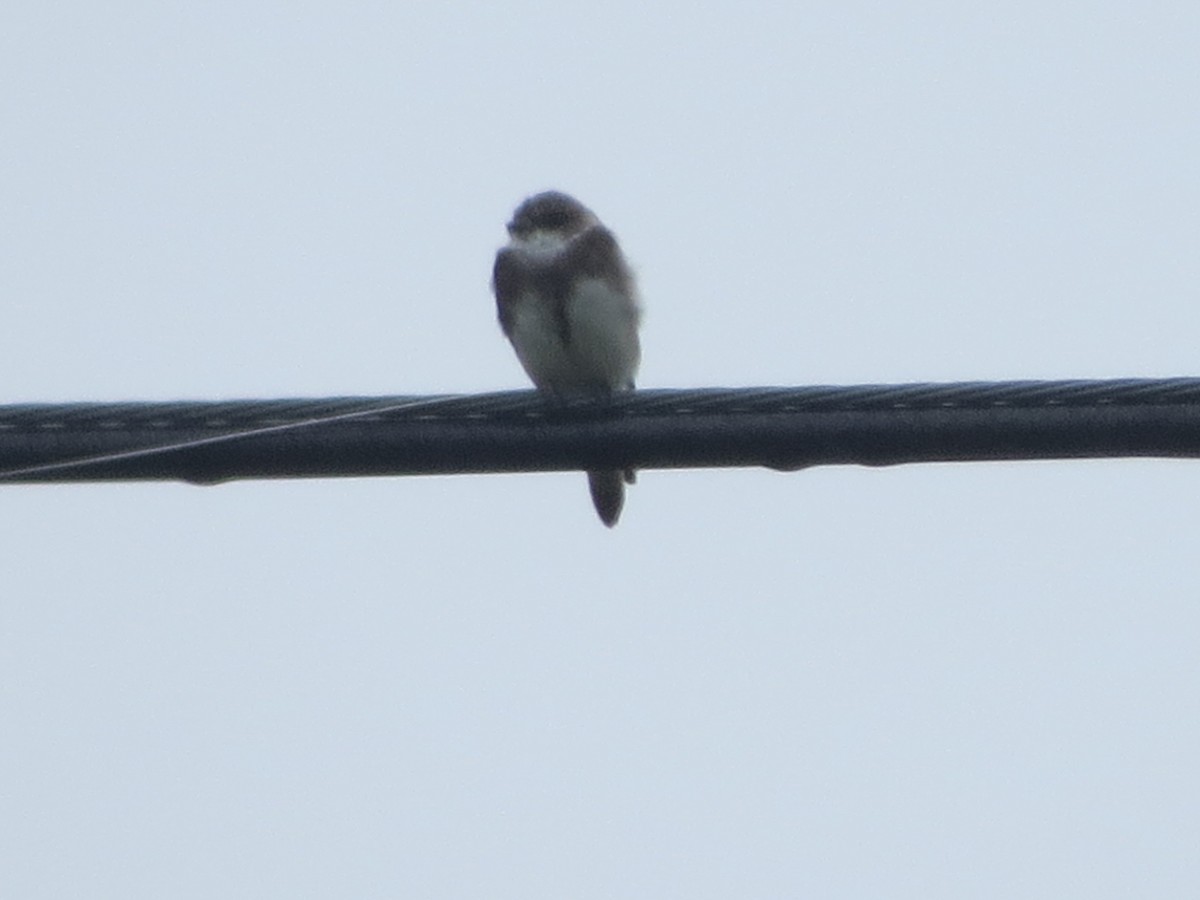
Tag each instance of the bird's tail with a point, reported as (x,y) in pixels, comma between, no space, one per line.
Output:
(608,493)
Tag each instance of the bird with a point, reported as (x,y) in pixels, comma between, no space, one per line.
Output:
(567,301)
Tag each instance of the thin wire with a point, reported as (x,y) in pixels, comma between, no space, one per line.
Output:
(175,446)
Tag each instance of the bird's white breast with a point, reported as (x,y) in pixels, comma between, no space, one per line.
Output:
(601,352)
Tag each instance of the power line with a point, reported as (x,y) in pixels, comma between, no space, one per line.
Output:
(778,427)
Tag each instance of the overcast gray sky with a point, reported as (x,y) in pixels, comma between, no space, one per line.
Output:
(936,681)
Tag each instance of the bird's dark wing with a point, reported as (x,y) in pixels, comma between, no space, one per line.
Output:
(595,254)
(509,279)
(516,279)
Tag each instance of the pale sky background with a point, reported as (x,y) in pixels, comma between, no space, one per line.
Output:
(931,682)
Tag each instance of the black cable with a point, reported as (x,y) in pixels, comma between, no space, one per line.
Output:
(785,428)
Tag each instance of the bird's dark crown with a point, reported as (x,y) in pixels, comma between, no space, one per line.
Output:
(550,211)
